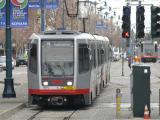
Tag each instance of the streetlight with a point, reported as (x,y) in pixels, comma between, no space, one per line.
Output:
(72,11)
(9,91)
(81,9)
(84,8)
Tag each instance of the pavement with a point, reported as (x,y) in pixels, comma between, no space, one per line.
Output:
(10,106)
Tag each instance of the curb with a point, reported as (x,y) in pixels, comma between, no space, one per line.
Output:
(8,113)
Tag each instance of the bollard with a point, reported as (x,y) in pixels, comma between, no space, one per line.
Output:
(118,102)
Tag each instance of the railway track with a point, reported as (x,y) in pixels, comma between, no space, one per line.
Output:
(36,114)
(42,110)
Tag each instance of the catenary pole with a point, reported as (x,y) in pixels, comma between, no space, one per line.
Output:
(9,91)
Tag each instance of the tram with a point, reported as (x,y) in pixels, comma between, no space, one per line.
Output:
(149,51)
(67,67)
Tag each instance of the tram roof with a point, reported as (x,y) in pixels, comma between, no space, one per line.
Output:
(68,35)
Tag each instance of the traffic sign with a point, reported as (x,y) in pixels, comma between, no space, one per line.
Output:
(48,4)
(34,4)
(101,25)
(51,4)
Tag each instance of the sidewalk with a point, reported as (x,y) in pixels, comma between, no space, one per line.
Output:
(9,106)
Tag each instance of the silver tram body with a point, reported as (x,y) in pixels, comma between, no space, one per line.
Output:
(67,68)
(148,51)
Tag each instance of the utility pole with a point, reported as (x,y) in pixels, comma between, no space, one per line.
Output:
(42,16)
(9,91)
(122,45)
(63,26)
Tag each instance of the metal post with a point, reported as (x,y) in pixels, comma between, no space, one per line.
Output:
(63,27)
(131,48)
(42,16)
(122,62)
(118,102)
(71,23)
(159,101)
(122,45)
(9,91)
(84,29)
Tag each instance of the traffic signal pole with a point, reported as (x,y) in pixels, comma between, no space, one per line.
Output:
(9,91)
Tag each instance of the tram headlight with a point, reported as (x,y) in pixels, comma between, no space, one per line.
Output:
(45,83)
(69,83)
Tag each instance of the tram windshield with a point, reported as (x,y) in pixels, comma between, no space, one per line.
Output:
(57,58)
(148,49)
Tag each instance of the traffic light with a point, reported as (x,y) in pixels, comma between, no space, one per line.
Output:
(126,22)
(140,22)
(155,22)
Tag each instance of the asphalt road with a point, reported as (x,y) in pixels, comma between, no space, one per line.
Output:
(103,107)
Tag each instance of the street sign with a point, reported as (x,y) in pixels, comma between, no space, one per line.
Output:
(2,13)
(51,4)
(48,4)
(101,25)
(34,4)
(19,13)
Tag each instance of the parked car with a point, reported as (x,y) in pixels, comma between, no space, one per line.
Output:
(3,62)
(21,61)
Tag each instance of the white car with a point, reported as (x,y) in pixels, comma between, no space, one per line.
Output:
(3,62)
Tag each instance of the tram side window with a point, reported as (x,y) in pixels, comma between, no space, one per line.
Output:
(33,59)
(102,56)
(105,55)
(99,57)
(83,58)
(94,58)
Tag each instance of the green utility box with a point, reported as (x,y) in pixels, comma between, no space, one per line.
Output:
(140,89)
